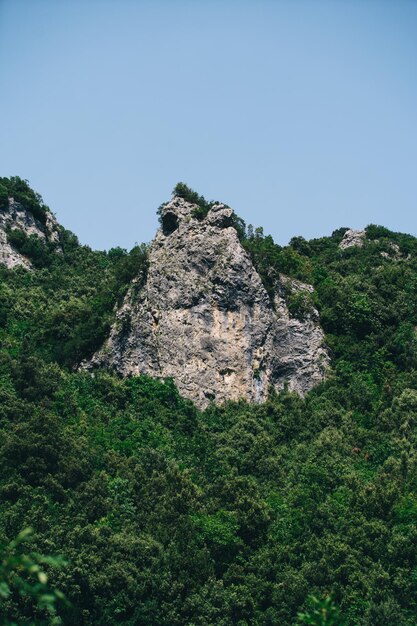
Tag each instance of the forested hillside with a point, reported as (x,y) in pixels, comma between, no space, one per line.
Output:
(236,515)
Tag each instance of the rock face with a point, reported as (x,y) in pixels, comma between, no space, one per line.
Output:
(16,217)
(203,317)
(352,238)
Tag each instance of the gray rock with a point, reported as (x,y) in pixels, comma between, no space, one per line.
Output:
(356,238)
(352,238)
(203,317)
(17,217)
(394,253)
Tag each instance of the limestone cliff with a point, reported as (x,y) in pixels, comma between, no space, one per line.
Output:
(17,217)
(203,317)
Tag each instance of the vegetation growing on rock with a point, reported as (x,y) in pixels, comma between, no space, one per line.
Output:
(236,515)
(19,189)
(204,318)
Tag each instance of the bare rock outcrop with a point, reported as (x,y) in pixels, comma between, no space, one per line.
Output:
(352,238)
(203,317)
(357,239)
(17,217)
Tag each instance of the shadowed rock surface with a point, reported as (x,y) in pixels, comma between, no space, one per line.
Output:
(203,317)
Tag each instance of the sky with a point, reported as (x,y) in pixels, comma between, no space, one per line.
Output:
(300,115)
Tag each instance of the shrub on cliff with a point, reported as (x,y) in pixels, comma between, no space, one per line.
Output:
(19,189)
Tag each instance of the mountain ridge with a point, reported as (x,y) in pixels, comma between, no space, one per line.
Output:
(240,513)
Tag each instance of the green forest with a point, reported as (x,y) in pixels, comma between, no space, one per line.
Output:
(121,503)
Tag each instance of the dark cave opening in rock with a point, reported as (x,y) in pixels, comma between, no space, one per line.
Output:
(169,223)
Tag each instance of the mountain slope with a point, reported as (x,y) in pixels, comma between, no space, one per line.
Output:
(171,516)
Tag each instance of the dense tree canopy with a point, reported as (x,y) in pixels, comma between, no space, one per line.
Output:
(248,515)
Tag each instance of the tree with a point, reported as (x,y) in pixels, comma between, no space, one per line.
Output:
(323,612)
(22,576)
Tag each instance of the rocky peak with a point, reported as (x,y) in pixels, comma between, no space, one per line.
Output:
(203,317)
(353,238)
(181,214)
(15,216)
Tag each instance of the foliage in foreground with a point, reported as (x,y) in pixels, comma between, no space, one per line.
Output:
(321,613)
(22,578)
(236,515)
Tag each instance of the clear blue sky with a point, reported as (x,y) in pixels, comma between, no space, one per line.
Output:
(300,115)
